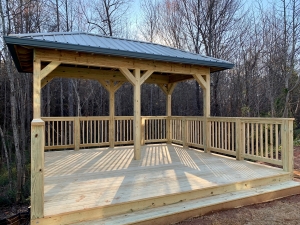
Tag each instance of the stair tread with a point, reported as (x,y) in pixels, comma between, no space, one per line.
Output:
(148,214)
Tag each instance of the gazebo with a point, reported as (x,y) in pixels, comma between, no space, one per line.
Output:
(189,160)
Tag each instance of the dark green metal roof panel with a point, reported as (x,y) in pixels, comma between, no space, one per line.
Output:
(92,43)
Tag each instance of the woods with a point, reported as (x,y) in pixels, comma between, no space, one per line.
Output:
(262,39)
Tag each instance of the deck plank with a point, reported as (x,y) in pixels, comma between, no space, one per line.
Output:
(100,177)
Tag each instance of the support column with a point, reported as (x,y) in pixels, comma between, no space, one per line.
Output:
(169,114)
(206,113)
(38,140)
(168,90)
(37,147)
(136,80)
(111,87)
(111,115)
(137,115)
(204,81)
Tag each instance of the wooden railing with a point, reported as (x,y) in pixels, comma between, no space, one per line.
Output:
(123,130)
(262,139)
(154,129)
(93,131)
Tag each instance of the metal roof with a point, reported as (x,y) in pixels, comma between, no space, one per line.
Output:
(93,43)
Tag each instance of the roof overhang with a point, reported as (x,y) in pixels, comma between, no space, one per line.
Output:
(25,57)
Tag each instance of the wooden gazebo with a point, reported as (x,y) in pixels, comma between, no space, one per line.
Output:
(183,141)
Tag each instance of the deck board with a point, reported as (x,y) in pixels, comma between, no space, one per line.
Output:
(76,180)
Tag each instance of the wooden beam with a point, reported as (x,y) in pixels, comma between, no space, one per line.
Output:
(104,84)
(137,115)
(163,88)
(70,57)
(171,88)
(44,82)
(200,80)
(167,89)
(146,75)
(128,75)
(96,74)
(118,85)
(49,68)
(179,77)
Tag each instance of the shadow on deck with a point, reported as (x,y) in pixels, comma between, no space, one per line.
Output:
(103,182)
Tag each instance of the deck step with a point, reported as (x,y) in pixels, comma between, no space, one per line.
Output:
(183,210)
(160,201)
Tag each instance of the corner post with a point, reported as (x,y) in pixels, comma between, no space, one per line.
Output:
(287,146)
(203,80)
(206,113)
(77,133)
(37,146)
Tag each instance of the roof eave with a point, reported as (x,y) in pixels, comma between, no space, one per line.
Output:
(11,41)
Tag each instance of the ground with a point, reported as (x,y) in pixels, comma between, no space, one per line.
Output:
(282,211)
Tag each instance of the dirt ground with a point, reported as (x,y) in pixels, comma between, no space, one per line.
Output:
(282,211)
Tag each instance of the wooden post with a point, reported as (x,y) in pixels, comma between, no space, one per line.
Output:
(287,146)
(77,133)
(37,146)
(136,80)
(239,139)
(137,115)
(168,90)
(169,114)
(37,168)
(207,135)
(142,131)
(111,115)
(204,81)
(36,89)
(184,133)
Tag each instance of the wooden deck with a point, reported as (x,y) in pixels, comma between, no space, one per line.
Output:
(76,181)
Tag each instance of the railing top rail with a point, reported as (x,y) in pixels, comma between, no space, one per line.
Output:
(58,118)
(253,118)
(124,117)
(154,117)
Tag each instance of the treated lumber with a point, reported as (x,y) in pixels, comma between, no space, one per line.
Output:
(48,69)
(287,146)
(146,75)
(111,114)
(36,88)
(76,133)
(188,209)
(137,114)
(96,74)
(69,57)
(130,77)
(37,168)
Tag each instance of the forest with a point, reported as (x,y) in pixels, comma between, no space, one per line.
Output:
(261,38)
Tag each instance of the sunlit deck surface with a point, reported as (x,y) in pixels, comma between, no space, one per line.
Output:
(77,180)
